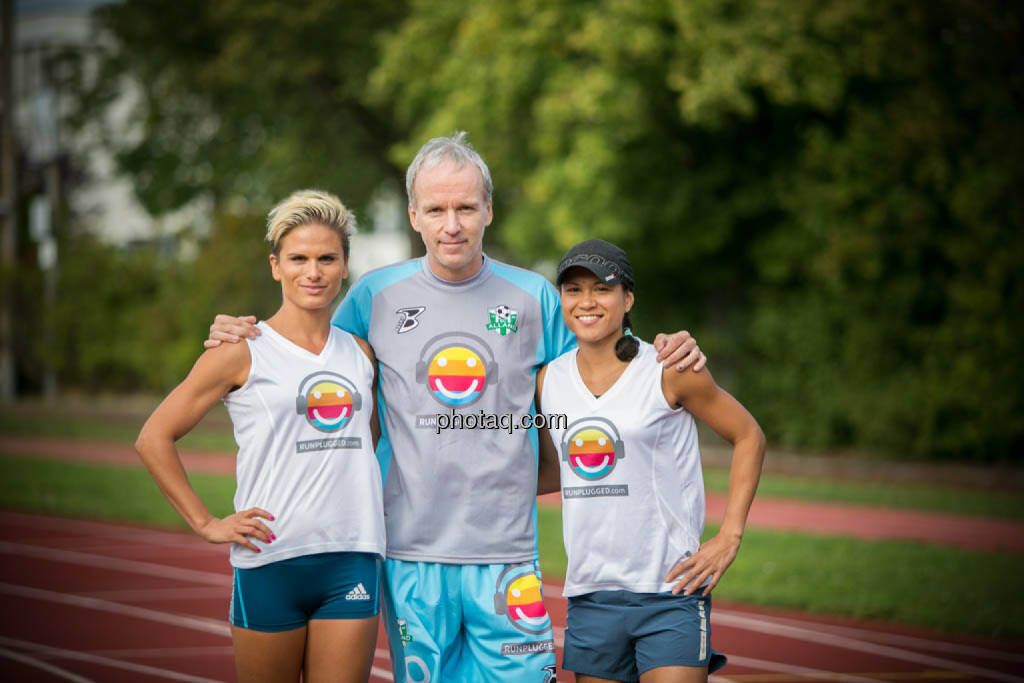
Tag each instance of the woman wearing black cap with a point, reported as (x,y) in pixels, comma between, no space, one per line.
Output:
(639,579)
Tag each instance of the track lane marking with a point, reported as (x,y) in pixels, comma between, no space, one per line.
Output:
(106,530)
(48,668)
(115,564)
(105,661)
(797,630)
(907,641)
(802,672)
(728,618)
(151,594)
(761,625)
(145,652)
(196,623)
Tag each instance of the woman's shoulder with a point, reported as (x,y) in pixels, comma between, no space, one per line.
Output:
(345,340)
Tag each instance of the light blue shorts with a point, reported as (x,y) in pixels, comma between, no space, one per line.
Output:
(620,635)
(451,622)
(285,595)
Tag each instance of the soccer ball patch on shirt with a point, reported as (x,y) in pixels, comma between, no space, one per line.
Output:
(503,320)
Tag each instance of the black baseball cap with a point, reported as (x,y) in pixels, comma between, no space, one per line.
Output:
(605,260)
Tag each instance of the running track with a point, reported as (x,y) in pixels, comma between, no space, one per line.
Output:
(91,601)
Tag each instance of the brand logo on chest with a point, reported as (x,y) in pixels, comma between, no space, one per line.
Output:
(407,318)
(504,319)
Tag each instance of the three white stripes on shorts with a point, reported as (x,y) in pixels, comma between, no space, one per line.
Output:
(357,593)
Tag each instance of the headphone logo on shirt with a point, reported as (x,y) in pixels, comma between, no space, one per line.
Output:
(328,400)
(592,447)
(456,367)
(517,596)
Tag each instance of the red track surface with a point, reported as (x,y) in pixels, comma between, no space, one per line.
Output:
(90,601)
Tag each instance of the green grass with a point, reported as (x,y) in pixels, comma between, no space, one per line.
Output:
(210,435)
(947,499)
(119,419)
(942,588)
(125,494)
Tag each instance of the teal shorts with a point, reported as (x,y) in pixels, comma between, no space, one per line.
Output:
(450,622)
(620,635)
(286,595)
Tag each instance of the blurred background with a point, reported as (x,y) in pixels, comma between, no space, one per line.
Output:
(820,190)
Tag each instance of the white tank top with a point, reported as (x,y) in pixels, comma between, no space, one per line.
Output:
(302,423)
(632,488)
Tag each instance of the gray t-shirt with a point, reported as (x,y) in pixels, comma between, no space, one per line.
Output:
(469,350)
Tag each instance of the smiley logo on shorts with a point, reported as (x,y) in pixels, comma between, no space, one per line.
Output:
(592,448)
(328,400)
(518,596)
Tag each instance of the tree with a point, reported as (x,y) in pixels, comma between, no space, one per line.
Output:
(824,188)
(244,99)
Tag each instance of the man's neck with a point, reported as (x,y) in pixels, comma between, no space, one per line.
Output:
(455,275)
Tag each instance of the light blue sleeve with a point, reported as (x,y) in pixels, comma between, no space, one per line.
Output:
(353,315)
(557,337)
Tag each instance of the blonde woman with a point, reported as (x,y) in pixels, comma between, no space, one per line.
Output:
(308,529)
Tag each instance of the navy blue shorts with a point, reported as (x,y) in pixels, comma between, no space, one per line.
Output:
(285,595)
(620,635)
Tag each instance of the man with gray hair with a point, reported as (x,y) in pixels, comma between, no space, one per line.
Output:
(456,331)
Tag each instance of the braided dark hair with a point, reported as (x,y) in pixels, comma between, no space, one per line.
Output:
(627,346)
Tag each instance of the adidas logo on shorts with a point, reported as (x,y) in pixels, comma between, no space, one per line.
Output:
(357,593)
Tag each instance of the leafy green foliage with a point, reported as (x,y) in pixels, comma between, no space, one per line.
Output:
(822,191)
(243,98)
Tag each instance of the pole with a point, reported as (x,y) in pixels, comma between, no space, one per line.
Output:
(8,204)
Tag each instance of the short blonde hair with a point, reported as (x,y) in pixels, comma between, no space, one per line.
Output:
(306,207)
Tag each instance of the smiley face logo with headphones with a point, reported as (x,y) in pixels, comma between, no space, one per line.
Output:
(517,595)
(592,447)
(328,400)
(457,368)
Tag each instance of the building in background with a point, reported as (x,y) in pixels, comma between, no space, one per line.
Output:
(71,176)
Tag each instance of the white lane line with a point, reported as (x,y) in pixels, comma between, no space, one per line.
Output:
(782,668)
(382,674)
(196,623)
(855,639)
(728,618)
(115,564)
(48,668)
(762,625)
(905,641)
(151,594)
(110,531)
(149,652)
(104,661)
